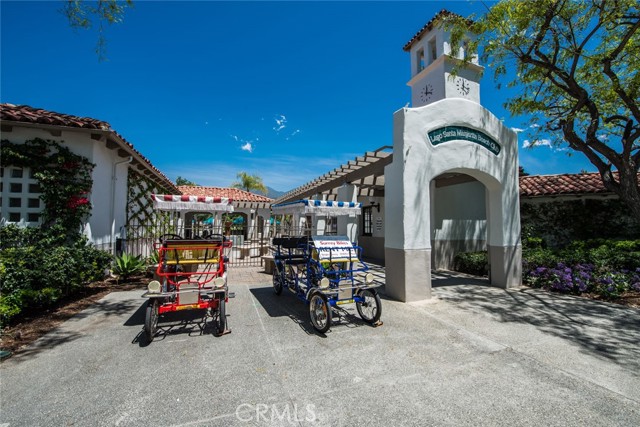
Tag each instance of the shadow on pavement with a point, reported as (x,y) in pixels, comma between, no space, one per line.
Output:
(65,333)
(187,322)
(441,278)
(52,339)
(605,330)
(289,305)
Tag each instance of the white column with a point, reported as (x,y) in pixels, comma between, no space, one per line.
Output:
(348,225)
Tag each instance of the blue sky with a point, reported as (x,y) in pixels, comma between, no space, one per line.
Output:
(285,90)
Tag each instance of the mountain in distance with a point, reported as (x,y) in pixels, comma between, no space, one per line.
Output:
(272,193)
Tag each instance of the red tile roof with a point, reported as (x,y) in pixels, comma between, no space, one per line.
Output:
(235,194)
(428,26)
(24,113)
(565,184)
(27,114)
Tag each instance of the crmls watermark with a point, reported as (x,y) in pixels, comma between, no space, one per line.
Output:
(276,412)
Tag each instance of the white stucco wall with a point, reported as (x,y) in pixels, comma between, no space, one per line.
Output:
(98,227)
(416,162)
(459,212)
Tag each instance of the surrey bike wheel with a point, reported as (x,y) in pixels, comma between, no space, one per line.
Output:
(221,323)
(320,312)
(151,319)
(277,282)
(370,308)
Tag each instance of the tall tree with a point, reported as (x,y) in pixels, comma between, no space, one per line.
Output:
(576,64)
(183,181)
(82,14)
(249,183)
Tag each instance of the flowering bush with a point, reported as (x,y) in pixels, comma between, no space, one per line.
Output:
(64,178)
(608,268)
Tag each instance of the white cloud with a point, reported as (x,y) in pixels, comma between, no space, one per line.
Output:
(247,145)
(534,126)
(295,132)
(517,130)
(281,122)
(223,172)
(537,143)
(603,137)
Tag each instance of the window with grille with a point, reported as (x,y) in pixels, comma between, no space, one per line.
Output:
(367,220)
(331,226)
(20,195)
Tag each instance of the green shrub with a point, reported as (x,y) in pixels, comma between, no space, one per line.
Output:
(471,263)
(35,273)
(127,265)
(153,259)
(10,307)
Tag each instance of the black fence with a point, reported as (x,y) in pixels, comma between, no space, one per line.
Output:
(248,246)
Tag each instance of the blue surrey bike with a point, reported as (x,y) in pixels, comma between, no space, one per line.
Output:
(325,272)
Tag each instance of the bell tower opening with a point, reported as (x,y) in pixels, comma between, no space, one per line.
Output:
(433,64)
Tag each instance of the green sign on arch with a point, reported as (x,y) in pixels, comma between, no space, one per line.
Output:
(451,133)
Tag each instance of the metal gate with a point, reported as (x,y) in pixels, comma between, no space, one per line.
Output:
(249,244)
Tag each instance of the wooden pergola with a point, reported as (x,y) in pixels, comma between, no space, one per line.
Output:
(366,172)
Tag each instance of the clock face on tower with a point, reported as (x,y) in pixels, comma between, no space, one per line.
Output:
(462,86)
(426,93)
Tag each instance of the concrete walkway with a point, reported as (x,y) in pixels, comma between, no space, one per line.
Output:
(473,355)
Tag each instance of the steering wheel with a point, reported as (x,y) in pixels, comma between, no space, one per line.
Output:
(169,236)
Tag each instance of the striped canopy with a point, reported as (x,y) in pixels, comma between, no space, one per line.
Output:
(321,207)
(170,202)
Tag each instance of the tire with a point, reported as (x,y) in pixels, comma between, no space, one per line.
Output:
(151,319)
(320,312)
(221,323)
(371,309)
(277,282)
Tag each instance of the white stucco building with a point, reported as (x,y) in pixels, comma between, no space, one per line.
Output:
(122,176)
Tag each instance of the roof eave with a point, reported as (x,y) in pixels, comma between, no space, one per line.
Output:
(96,135)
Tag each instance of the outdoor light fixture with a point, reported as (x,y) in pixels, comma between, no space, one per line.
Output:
(153,287)
(218,282)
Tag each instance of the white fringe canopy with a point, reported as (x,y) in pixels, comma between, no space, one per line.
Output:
(170,202)
(318,207)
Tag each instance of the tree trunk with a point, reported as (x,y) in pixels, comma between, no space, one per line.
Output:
(628,189)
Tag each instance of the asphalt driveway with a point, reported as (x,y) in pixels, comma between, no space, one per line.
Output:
(474,355)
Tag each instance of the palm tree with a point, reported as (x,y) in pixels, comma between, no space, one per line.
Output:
(249,183)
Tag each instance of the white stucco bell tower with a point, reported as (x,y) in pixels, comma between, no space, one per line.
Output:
(432,61)
(452,185)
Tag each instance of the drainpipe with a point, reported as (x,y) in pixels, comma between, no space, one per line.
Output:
(113,202)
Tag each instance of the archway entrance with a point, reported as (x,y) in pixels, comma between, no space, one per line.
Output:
(458,218)
(453,144)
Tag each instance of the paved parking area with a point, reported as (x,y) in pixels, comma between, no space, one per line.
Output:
(473,355)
